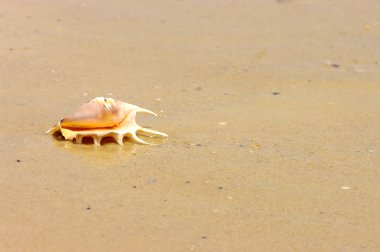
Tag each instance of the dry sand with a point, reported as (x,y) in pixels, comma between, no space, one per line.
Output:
(273,112)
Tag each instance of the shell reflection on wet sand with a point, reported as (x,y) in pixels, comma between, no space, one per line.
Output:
(104,118)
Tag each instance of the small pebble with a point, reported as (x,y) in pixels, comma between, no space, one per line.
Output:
(152,180)
(275,93)
(222,123)
(18,160)
(255,146)
(345,187)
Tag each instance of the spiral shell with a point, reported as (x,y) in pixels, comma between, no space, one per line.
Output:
(104,117)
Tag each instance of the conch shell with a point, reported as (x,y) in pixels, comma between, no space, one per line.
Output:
(104,117)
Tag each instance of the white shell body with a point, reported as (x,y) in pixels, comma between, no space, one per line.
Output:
(103,117)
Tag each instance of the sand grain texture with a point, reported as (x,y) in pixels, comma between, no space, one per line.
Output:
(272,108)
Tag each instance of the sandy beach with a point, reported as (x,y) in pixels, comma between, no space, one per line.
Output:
(272,110)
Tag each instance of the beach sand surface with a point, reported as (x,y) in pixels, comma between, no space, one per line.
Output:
(272,110)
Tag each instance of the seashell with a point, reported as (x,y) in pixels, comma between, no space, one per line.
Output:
(104,117)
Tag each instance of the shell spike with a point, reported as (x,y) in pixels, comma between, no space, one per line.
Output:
(97,140)
(119,139)
(136,139)
(56,128)
(147,111)
(78,139)
(149,132)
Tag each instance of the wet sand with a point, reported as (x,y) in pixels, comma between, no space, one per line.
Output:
(272,110)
